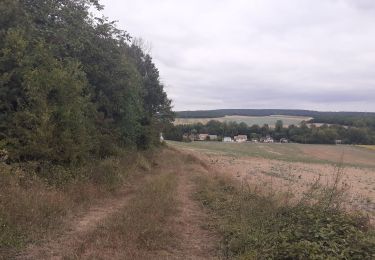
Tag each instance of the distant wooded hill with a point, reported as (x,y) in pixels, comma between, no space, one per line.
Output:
(342,118)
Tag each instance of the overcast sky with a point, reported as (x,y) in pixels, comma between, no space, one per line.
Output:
(303,54)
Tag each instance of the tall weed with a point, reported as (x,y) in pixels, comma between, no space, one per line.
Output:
(258,224)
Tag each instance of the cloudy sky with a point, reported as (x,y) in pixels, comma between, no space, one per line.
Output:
(303,54)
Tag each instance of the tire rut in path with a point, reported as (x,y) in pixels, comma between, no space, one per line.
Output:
(78,228)
(196,241)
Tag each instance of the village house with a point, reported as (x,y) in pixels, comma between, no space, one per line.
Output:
(267,139)
(213,137)
(227,139)
(284,140)
(338,141)
(240,138)
(202,137)
(255,140)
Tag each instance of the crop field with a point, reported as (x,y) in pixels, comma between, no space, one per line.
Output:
(346,155)
(285,167)
(249,120)
(371,147)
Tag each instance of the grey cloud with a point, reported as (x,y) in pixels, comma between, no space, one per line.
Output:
(309,54)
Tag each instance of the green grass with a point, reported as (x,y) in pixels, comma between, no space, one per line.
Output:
(258,224)
(284,152)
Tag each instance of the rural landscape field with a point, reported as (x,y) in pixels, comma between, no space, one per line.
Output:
(173,130)
(283,167)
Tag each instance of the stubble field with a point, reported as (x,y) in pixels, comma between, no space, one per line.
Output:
(295,167)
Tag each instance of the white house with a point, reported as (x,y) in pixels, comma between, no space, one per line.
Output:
(267,139)
(202,137)
(284,140)
(240,138)
(227,139)
(338,141)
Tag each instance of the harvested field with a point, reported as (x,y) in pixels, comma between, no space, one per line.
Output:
(293,167)
(371,147)
(348,155)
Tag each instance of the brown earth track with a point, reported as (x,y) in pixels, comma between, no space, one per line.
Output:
(196,241)
(77,229)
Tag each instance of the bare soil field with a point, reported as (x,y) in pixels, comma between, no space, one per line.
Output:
(295,167)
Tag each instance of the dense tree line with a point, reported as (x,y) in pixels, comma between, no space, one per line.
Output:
(72,85)
(325,134)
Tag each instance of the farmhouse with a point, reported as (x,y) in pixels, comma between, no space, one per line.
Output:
(267,139)
(202,137)
(338,141)
(227,139)
(212,137)
(240,138)
(284,140)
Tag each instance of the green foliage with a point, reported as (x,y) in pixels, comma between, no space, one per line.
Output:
(260,226)
(72,85)
(324,134)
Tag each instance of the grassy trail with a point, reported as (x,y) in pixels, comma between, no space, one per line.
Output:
(155,218)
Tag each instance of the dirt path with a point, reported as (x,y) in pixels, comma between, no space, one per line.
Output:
(196,241)
(78,229)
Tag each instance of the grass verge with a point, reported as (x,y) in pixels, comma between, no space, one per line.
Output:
(35,201)
(257,224)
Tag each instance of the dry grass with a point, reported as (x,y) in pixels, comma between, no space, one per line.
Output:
(34,205)
(261,224)
(27,210)
(371,147)
(141,227)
